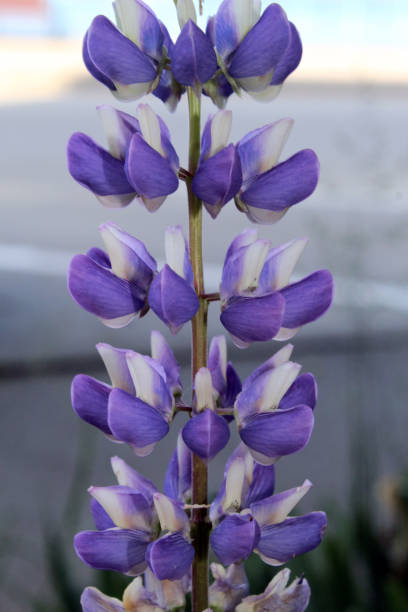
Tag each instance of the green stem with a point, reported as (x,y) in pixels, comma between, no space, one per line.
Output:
(200,523)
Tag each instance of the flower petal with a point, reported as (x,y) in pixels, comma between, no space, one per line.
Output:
(162,353)
(139,23)
(177,256)
(170,557)
(171,514)
(93,600)
(229,587)
(102,293)
(185,12)
(177,483)
(150,383)
(117,57)
(89,399)
(275,509)
(218,179)
(193,59)
(116,366)
(260,150)
(127,508)
(119,128)
(129,258)
(97,170)
(279,265)
(216,133)
(149,172)
(308,299)
(290,59)
(206,434)
(134,421)
(254,319)
(262,485)
(120,550)
(235,538)
(279,433)
(233,21)
(263,46)
(295,536)
(286,184)
(267,390)
(302,391)
(172,299)
(100,517)
(128,477)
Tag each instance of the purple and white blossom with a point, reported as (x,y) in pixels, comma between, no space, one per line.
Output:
(264,527)
(207,432)
(270,188)
(130,543)
(113,285)
(219,176)
(274,411)
(258,302)
(138,405)
(256,52)
(171,295)
(127,60)
(116,176)
(229,587)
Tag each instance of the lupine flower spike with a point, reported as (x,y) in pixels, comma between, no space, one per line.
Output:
(161,539)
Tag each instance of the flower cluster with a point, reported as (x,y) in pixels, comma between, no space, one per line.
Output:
(157,537)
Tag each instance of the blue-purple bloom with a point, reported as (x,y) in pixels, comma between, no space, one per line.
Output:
(218,177)
(129,543)
(258,302)
(256,52)
(270,188)
(171,295)
(260,524)
(138,405)
(225,380)
(193,59)
(207,432)
(116,176)
(113,285)
(127,60)
(274,411)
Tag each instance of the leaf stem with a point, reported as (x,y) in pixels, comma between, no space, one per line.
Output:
(200,527)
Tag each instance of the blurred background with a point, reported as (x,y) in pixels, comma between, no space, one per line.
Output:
(349,102)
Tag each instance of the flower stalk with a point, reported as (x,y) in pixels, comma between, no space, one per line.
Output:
(200,524)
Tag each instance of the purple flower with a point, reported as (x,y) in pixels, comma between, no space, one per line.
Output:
(266,529)
(171,295)
(218,177)
(207,432)
(116,176)
(258,302)
(229,587)
(269,188)
(193,59)
(278,596)
(256,52)
(127,60)
(113,285)
(152,163)
(103,171)
(131,544)
(245,481)
(274,411)
(138,405)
